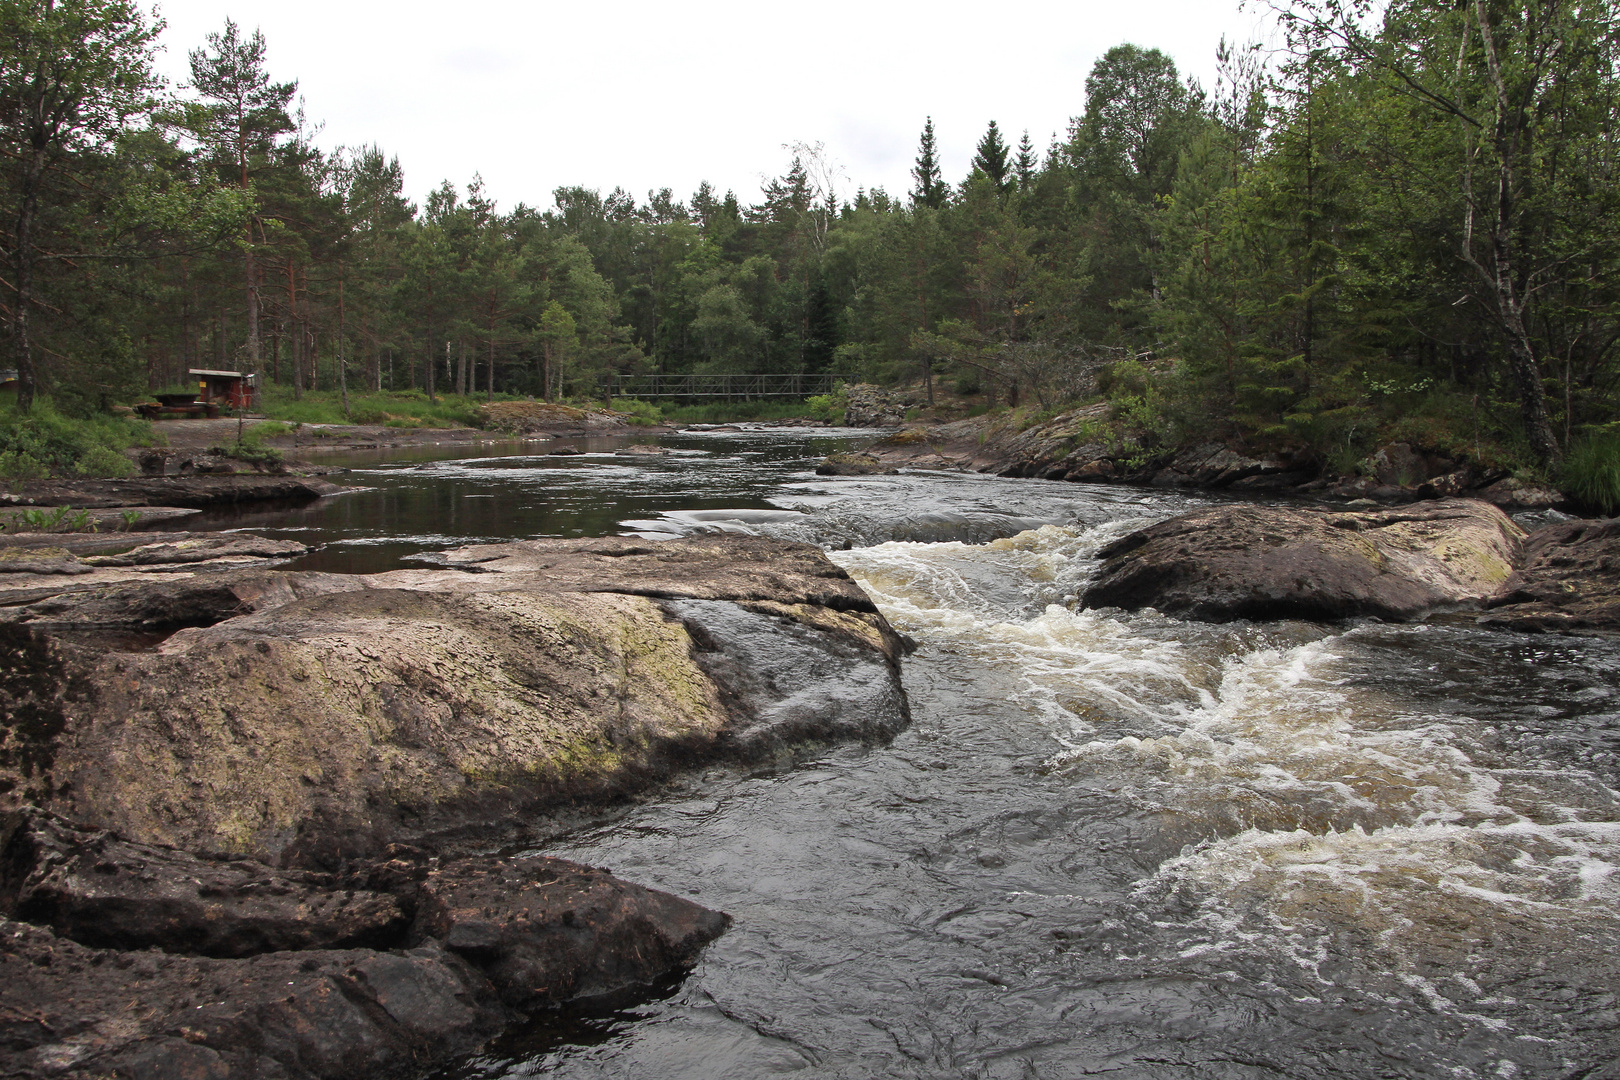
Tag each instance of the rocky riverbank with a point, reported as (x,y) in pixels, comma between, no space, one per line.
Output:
(1075,446)
(264,827)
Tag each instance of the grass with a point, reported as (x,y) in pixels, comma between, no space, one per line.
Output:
(1591,473)
(43,443)
(399,408)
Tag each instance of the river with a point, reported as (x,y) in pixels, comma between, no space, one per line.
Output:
(1108,844)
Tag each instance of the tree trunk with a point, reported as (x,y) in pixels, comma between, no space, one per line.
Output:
(27,221)
(342,363)
(252,303)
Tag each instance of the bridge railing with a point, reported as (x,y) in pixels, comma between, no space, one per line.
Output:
(649,387)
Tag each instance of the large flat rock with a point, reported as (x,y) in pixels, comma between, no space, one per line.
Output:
(1259,562)
(305,718)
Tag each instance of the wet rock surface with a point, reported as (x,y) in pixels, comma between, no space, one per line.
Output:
(125,959)
(851,465)
(85,1014)
(548,930)
(103,891)
(1253,562)
(1569,580)
(201,863)
(186,492)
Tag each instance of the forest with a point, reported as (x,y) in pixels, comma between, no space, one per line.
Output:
(1392,222)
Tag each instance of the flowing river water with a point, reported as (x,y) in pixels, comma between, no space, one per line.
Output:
(1108,844)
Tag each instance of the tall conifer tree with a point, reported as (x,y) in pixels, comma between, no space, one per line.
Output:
(991,158)
(930,190)
(1024,163)
(243,117)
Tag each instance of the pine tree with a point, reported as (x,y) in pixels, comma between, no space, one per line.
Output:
(243,117)
(1024,163)
(930,191)
(991,158)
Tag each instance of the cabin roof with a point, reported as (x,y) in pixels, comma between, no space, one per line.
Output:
(217,374)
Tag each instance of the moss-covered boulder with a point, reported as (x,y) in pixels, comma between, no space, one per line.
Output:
(1268,562)
(329,722)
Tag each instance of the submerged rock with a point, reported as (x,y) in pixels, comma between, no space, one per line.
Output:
(1256,562)
(1570,580)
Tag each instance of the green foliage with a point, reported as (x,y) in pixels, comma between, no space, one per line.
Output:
(43,443)
(1296,261)
(49,519)
(1591,473)
(828,407)
(641,413)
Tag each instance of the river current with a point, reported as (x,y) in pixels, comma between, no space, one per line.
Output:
(1108,844)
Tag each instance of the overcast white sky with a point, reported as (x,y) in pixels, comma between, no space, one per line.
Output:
(644,95)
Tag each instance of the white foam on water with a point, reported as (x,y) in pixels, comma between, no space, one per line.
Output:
(1318,808)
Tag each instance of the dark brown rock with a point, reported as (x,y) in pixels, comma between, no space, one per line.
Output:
(545,930)
(1569,580)
(103,891)
(1255,562)
(172,603)
(194,492)
(1516,494)
(79,1013)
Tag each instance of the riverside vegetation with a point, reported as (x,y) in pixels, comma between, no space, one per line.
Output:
(1394,229)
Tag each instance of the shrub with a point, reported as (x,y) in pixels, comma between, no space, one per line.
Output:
(43,443)
(829,407)
(641,413)
(1591,473)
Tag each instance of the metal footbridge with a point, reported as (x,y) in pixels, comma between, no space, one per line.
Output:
(744,387)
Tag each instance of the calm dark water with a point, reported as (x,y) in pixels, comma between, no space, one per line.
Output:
(1109,845)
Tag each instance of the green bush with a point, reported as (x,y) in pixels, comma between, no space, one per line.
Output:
(641,413)
(1591,473)
(43,443)
(829,407)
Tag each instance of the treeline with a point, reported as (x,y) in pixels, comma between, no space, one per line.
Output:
(1405,225)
